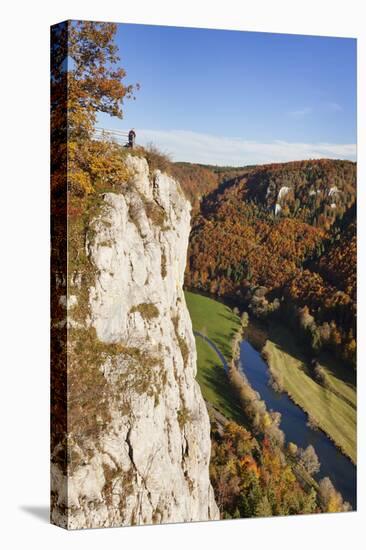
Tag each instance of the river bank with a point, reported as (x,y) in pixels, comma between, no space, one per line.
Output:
(294,423)
(326,409)
(239,397)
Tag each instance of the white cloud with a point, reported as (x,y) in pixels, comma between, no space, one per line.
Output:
(209,149)
(300,113)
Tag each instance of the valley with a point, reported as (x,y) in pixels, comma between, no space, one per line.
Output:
(203,316)
(279,243)
(221,396)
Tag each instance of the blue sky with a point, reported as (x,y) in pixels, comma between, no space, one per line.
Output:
(228,97)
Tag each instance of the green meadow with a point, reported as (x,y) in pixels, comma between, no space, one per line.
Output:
(332,406)
(219,324)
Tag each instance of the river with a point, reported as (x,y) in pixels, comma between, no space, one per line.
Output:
(334,464)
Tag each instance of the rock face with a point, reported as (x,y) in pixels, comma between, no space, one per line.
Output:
(150,461)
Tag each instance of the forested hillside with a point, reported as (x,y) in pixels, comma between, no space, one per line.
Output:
(282,238)
(196,181)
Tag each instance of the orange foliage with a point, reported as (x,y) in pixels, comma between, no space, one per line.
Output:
(304,254)
(246,472)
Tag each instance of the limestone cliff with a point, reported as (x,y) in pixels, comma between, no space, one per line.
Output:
(141,455)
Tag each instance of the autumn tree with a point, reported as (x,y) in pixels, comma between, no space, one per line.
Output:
(264,508)
(253,478)
(309,460)
(292,448)
(330,499)
(86,79)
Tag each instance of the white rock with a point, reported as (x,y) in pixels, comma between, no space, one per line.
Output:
(282,192)
(158,438)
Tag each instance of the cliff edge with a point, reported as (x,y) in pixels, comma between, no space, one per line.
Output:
(138,438)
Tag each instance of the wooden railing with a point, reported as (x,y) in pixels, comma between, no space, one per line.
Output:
(118,136)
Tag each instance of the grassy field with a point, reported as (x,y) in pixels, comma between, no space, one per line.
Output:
(214,320)
(219,324)
(342,381)
(332,407)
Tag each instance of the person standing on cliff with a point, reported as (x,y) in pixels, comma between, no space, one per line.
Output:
(131,138)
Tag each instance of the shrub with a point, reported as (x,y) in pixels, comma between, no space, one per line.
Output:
(331,500)
(309,460)
(164,271)
(312,423)
(183,416)
(292,448)
(147,311)
(157,160)
(96,166)
(156,214)
(276,381)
